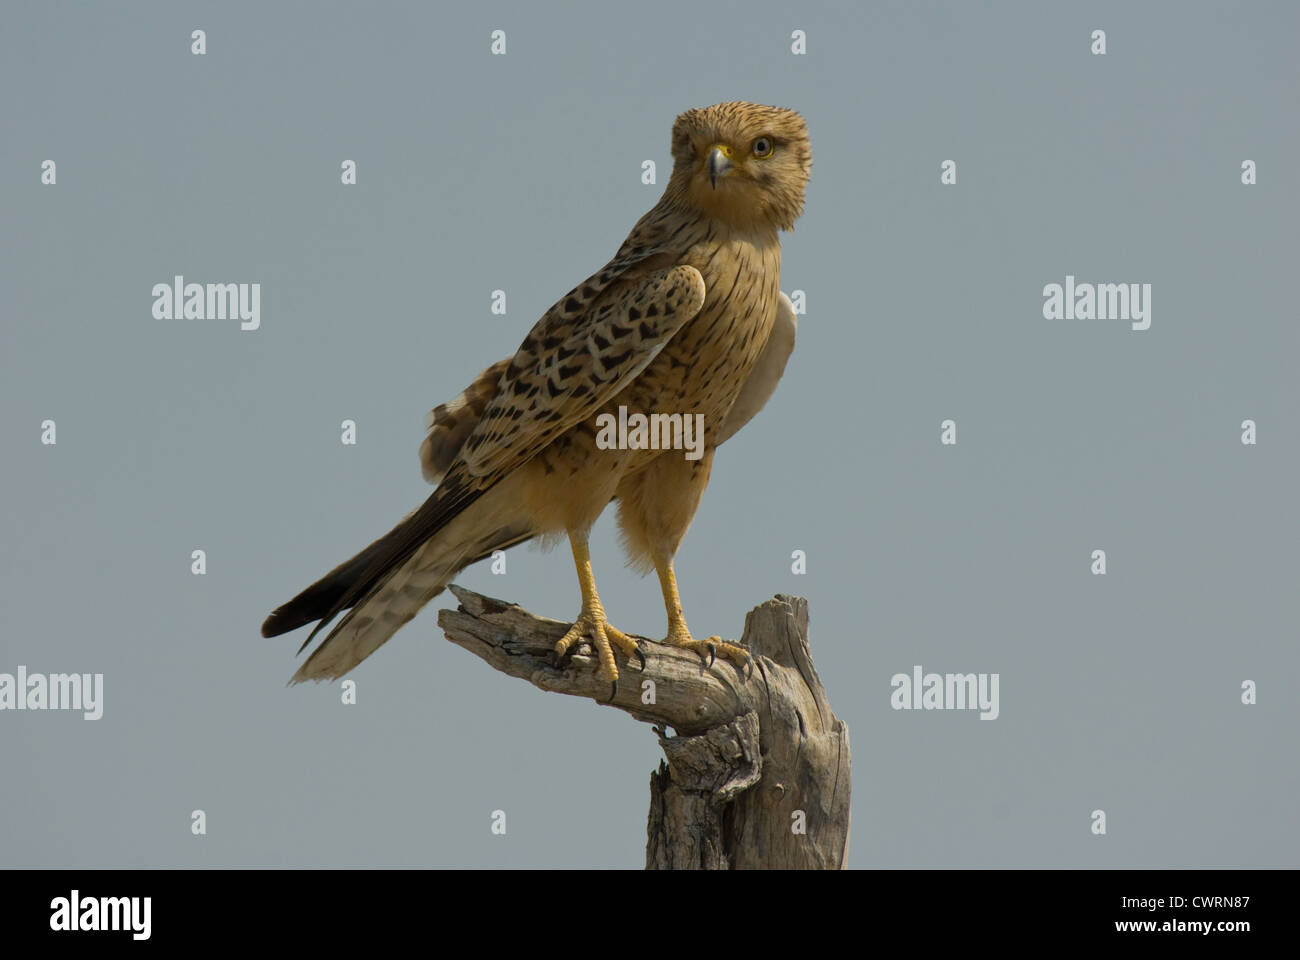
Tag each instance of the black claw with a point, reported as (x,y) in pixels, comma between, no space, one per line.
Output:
(613,691)
(713,654)
(641,657)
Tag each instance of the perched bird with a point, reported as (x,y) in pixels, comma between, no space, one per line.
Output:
(687,319)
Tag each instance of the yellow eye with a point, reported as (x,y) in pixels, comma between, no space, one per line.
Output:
(763,147)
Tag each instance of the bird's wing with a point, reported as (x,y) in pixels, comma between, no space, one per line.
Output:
(582,352)
(590,310)
(767,372)
(586,349)
(448,424)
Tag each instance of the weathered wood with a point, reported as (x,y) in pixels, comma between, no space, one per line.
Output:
(757,775)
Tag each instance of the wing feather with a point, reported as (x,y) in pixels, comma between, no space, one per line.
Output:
(576,358)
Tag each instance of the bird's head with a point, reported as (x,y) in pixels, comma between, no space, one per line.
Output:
(743,163)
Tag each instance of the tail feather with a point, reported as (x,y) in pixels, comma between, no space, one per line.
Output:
(388,583)
(390,605)
(314,602)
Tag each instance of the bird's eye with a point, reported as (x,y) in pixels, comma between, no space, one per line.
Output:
(763,147)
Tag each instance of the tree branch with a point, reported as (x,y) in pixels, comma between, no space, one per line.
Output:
(758,773)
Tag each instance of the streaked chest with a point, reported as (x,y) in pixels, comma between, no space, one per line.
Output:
(704,366)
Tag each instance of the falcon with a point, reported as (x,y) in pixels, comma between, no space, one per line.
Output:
(686,320)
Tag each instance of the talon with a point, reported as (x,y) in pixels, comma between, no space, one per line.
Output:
(641,657)
(591,626)
(709,650)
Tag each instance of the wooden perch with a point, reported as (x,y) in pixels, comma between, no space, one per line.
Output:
(757,775)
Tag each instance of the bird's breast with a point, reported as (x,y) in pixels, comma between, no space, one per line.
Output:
(703,367)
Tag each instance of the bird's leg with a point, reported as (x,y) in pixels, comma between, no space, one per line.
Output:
(679,635)
(591,623)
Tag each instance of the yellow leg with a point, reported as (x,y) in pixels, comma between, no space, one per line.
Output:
(591,623)
(679,634)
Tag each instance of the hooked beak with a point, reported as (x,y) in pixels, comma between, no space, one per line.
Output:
(719,163)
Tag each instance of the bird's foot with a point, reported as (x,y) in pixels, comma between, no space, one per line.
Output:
(712,648)
(603,636)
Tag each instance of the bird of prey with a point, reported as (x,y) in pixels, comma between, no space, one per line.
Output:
(687,319)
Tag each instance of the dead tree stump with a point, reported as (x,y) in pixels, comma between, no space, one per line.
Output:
(757,775)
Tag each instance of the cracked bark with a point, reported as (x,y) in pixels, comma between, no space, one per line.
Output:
(757,773)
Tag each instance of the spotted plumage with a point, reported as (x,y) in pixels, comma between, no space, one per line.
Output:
(686,319)
(450,423)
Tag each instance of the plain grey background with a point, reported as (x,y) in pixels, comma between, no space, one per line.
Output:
(522,172)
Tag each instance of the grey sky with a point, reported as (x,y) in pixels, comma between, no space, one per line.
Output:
(522,173)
